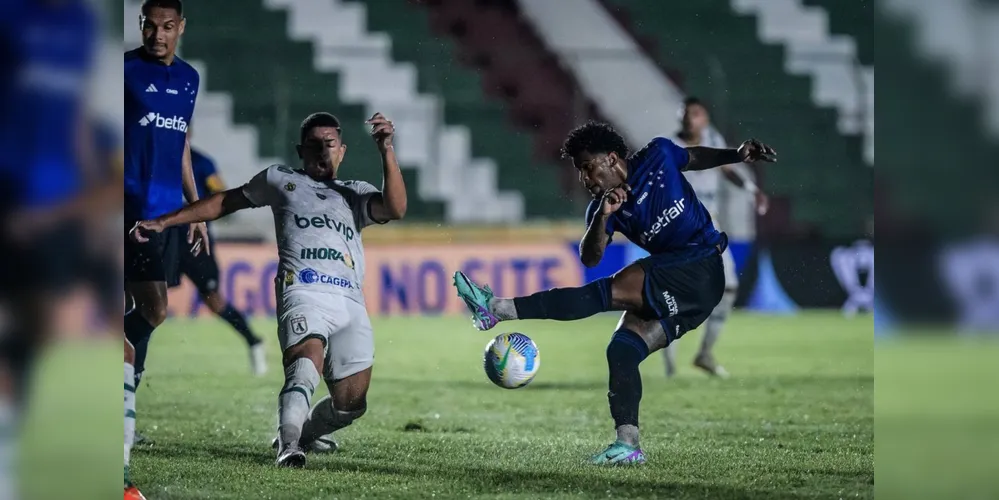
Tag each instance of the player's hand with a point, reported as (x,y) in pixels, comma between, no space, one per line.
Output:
(754,150)
(613,199)
(762,203)
(140,231)
(382,130)
(197,237)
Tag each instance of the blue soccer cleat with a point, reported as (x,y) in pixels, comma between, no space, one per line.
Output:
(619,453)
(477,300)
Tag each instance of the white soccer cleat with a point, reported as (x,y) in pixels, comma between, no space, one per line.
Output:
(258,359)
(325,444)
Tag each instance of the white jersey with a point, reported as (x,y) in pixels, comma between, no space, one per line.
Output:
(706,183)
(318,226)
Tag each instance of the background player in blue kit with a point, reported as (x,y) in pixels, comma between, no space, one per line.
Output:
(202,269)
(645,197)
(160,93)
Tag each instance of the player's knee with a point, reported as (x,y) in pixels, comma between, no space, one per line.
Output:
(626,347)
(311,348)
(155,313)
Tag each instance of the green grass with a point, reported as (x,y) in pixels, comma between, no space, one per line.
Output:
(796,421)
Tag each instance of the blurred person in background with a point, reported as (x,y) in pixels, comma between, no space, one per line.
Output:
(203,270)
(47,153)
(696,130)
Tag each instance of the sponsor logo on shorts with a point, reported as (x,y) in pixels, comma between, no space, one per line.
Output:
(310,276)
(327,254)
(299,324)
(671,304)
(324,222)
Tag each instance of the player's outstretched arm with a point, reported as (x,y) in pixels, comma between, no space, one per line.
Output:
(214,207)
(391,205)
(702,158)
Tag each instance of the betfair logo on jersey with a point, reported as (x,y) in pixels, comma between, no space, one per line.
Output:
(324,222)
(159,121)
(327,254)
(669,215)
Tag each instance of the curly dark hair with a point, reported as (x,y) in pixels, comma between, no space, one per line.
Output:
(176,5)
(594,137)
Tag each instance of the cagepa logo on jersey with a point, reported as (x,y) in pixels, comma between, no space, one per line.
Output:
(309,276)
(157,120)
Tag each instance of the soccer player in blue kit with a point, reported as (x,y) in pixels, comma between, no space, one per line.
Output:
(202,269)
(160,93)
(645,197)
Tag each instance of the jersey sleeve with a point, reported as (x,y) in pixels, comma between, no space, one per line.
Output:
(359,198)
(259,190)
(676,156)
(591,212)
(210,177)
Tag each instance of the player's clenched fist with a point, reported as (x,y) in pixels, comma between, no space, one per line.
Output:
(754,150)
(382,130)
(613,199)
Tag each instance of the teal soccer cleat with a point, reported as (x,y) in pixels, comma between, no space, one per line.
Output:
(619,453)
(477,300)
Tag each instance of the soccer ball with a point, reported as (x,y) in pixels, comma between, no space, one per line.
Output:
(512,360)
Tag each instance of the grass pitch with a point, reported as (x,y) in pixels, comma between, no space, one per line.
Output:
(795,421)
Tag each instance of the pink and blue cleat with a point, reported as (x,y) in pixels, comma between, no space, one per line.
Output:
(619,453)
(477,300)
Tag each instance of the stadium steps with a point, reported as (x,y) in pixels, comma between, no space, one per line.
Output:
(854,18)
(955,158)
(821,171)
(465,103)
(273,87)
(830,59)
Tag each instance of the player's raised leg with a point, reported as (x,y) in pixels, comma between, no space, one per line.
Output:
(622,292)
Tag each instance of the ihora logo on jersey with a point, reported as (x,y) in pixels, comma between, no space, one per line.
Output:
(327,254)
(157,120)
(668,215)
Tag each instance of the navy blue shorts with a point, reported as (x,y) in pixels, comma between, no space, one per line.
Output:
(157,259)
(682,295)
(201,269)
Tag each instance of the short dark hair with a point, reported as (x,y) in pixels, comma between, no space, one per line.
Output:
(594,137)
(694,101)
(315,120)
(176,5)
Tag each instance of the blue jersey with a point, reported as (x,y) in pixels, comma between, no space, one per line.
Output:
(662,214)
(46,56)
(159,105)
(205,175)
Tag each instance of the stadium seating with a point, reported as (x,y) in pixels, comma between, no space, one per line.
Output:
(941,176)
(854,18)
(722,60)
(465,102)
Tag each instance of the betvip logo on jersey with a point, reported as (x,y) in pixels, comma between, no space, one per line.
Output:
(177,123)
(324,222)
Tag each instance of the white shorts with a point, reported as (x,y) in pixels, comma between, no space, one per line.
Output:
(342,324)
(731,276)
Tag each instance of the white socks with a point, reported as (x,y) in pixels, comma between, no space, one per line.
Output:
(503,309)
(300,380)
(129,410)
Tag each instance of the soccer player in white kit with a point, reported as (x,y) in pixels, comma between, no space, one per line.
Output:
(696,130)
(323,326)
